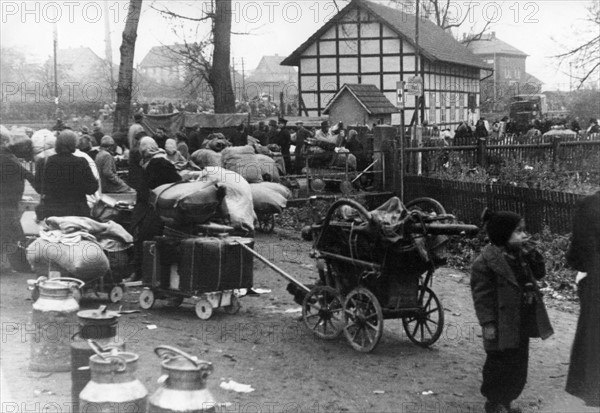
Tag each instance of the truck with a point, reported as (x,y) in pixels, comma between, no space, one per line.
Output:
(525,109)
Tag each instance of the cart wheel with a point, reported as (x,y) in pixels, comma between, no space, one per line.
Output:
(364,319)
(266,224)
(425,327)
(116,294)
(346,187)
(147,299)
(204,309)
(426,205)
(174,302)
(322,312)
(234,307)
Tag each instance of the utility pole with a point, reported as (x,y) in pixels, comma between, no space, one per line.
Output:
(243,81)
(417,134)
(234,84)
(108,50)
(56,67)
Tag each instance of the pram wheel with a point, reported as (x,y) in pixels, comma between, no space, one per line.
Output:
(322,312)
(266,223)
(147,299)
(204,309)
(116,294)
(425,327)
(364,320)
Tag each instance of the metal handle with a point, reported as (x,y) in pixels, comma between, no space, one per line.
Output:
(119,364)
(67,279)
(163,353)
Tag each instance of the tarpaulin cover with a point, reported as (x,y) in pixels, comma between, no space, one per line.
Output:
(173,122)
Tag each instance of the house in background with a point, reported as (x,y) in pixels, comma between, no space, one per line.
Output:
(510,75)
(368,43)
(271,78)
(360,105)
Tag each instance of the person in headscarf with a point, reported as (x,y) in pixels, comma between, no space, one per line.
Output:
(12,185)
(63,180)
(146,224)
(107,167)
(173,154)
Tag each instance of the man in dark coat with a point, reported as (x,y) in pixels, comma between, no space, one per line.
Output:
(583,380)
(195,138)
(284,140)
(301,135)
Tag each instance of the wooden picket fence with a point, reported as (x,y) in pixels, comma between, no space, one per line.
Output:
(466,200)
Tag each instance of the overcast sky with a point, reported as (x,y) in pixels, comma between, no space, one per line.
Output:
(541,28)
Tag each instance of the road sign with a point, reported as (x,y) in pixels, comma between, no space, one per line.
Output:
(414,86)
(400,94)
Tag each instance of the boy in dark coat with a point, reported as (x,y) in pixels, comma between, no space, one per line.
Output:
(509,307)
(583,380)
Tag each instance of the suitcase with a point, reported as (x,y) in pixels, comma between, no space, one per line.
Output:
(215,264)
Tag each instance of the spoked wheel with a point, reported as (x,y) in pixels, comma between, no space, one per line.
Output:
(174,302)
(322,312)
(428,205)
(266,224)
(147,298)
(116,294)
(234,307)
(364,320)
(425,327)
(204,309)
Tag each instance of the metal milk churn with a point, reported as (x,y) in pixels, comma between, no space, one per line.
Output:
(183,384)
(54,318)
(113,387)
(101,326)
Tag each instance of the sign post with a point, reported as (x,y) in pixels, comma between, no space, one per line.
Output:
(414,86)
(400,105)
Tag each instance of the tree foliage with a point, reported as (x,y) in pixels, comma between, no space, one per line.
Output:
(586,55)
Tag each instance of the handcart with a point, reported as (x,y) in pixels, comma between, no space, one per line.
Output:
(209,267)
(370,271)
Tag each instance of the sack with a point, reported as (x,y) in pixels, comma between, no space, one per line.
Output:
(185,202)
(21,145)
(243,161)
(206,157)
(42,140)
(103,212)
(267,200)
(268,168)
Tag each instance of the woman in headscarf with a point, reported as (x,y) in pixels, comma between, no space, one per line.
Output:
(63,180)
(173,153)
(157,171)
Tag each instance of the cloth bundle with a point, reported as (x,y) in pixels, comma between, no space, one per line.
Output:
(269,197)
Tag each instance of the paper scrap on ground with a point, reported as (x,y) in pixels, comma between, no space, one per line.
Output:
(237,387)
(261,290)
(378,391)
(427,393)
(151,326)
(293,310)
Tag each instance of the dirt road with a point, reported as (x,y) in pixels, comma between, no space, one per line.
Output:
(265,345)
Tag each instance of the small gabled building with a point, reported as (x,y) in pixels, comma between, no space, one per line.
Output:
(360,104)
(369,43)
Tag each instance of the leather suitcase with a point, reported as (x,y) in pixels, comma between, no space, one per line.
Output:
(209,264)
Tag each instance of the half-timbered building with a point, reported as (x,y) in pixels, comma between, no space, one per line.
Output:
(369,43)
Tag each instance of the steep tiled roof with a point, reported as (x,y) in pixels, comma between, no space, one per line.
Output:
(76,55)
(371,98)
(488,45)
(272,64)
(435,44)
(161,56)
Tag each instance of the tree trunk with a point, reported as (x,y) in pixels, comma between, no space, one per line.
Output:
(220,75)
(125,86)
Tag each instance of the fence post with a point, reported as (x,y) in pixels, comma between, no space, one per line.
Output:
(555,149)
(481,152)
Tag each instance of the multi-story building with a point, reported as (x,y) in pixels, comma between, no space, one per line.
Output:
(368,43)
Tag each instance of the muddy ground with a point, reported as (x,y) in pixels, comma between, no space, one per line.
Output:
(266,346)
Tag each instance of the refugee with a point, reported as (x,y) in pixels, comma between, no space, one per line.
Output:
(97,132)
(533,132)
(323,134)
(196,138)
(480,129)
(301,135)
(271,135)
(134,176)
(63,180)
(173,154)
(160,137)
(261,133)
(463,134)
(182,145)
(284,140)
(509,307)
(583,380)
(146,224)
(12,185)
(593,127)
(110,181)
(92,199)
(356,148)
(135,128)
(85,145)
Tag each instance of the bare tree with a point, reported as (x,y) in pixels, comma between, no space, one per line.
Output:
(125,86)
(217,71)
(586,56)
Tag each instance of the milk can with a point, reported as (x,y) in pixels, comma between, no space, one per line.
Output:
(54,319)
(113,387)
(183,384)
(101,326)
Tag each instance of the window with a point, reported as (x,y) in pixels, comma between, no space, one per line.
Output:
(507,74)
